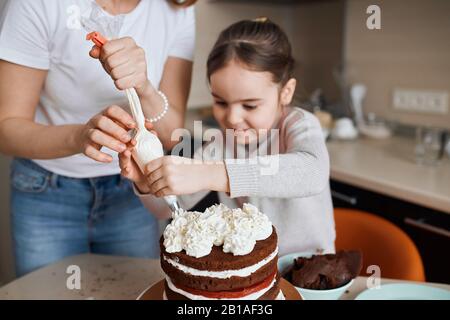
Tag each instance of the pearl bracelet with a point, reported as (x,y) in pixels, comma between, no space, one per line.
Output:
(166,108)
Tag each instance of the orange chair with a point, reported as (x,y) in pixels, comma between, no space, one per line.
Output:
(381,242)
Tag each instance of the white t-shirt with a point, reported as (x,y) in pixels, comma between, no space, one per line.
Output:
(46,34)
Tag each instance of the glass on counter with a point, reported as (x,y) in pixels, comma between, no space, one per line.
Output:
(430,144)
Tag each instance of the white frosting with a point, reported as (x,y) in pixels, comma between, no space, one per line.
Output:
(148,148)
(226,274)
(236,229)
(252,296)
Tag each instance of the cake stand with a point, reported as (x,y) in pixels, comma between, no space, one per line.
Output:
(155,292)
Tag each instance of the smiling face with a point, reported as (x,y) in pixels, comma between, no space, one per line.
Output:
(246,99)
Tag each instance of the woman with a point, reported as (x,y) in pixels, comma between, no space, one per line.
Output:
(61,117)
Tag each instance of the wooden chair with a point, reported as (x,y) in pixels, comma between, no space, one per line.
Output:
(381,242)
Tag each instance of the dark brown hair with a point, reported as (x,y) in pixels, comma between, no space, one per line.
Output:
(259,44)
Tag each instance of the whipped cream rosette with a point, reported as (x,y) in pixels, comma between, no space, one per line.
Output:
(237,230)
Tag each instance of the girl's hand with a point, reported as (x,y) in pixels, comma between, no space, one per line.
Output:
(173,175)
(125,62)
(109,129)
(130,169)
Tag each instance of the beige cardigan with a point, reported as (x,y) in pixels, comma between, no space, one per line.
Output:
(294,193)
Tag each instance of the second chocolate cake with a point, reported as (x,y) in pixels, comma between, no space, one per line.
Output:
(326,271)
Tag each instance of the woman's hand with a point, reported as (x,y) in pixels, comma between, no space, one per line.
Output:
(173,175)
(125,62)
(106,129)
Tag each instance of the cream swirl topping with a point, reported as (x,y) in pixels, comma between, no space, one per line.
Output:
(237,230)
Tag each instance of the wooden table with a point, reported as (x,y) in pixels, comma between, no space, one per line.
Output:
(111,277)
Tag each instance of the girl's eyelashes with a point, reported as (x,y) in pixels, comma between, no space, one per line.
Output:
(221,103)
(249,107)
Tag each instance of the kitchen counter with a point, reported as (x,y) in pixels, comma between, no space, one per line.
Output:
(385,166)
(388,167)
(111,277)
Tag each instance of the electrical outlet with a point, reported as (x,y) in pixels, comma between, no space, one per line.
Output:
(433,102)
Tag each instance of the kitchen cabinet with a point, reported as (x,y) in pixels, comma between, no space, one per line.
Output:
(428,228)
(381,177)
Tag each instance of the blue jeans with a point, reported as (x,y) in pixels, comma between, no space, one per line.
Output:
(55,216)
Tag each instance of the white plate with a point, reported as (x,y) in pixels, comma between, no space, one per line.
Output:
(404,291)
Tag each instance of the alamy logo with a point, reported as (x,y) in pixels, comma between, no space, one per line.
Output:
(73,282)
(262,150)
(374,281)
(73,17)
(373,22)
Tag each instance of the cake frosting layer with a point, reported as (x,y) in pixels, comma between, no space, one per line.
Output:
(236,231)
(225,274)
(219,284)
(280,295)
(217,260)
(271,292)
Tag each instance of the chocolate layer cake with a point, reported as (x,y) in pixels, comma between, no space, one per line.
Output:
(223,275)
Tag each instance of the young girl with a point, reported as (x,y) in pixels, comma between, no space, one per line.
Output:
(250,74)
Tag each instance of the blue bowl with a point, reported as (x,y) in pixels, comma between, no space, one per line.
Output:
(287,261)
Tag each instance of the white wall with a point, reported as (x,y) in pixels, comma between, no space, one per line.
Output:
(213,17)
(315,30)
(411,51)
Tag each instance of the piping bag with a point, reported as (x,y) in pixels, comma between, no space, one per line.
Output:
(148,146)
